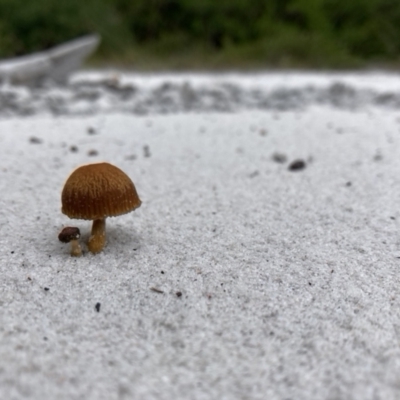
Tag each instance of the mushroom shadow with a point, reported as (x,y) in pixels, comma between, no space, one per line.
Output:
(121,235)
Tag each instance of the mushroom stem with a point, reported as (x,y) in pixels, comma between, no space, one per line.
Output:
(71,234)
(97,238)
(76,250)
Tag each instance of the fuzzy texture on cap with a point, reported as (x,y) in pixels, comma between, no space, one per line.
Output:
(97,191)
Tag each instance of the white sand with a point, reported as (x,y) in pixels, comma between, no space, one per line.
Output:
(290,280)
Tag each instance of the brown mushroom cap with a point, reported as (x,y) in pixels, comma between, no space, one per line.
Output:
(69,233)
(97,191)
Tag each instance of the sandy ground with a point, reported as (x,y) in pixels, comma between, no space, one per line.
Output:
(238,278)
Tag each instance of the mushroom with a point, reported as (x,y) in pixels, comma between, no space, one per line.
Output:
(95,192)
(71,234)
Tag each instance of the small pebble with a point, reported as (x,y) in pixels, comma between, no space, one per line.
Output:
(146,151)
(97,307)
(279,158)
(378,157)
(263,132)
(153,289)
(254,174)
(92,153)
(35,140)
(297,165)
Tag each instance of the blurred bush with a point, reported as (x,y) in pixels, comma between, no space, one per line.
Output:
(275,32)
(27,26)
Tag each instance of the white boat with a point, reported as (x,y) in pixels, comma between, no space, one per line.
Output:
(55,64)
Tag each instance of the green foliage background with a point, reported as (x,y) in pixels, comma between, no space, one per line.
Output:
(210,33)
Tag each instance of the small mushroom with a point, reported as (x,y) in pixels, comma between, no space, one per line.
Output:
(71,234)
(95,192)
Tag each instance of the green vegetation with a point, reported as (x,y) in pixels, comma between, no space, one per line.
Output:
(209,33)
